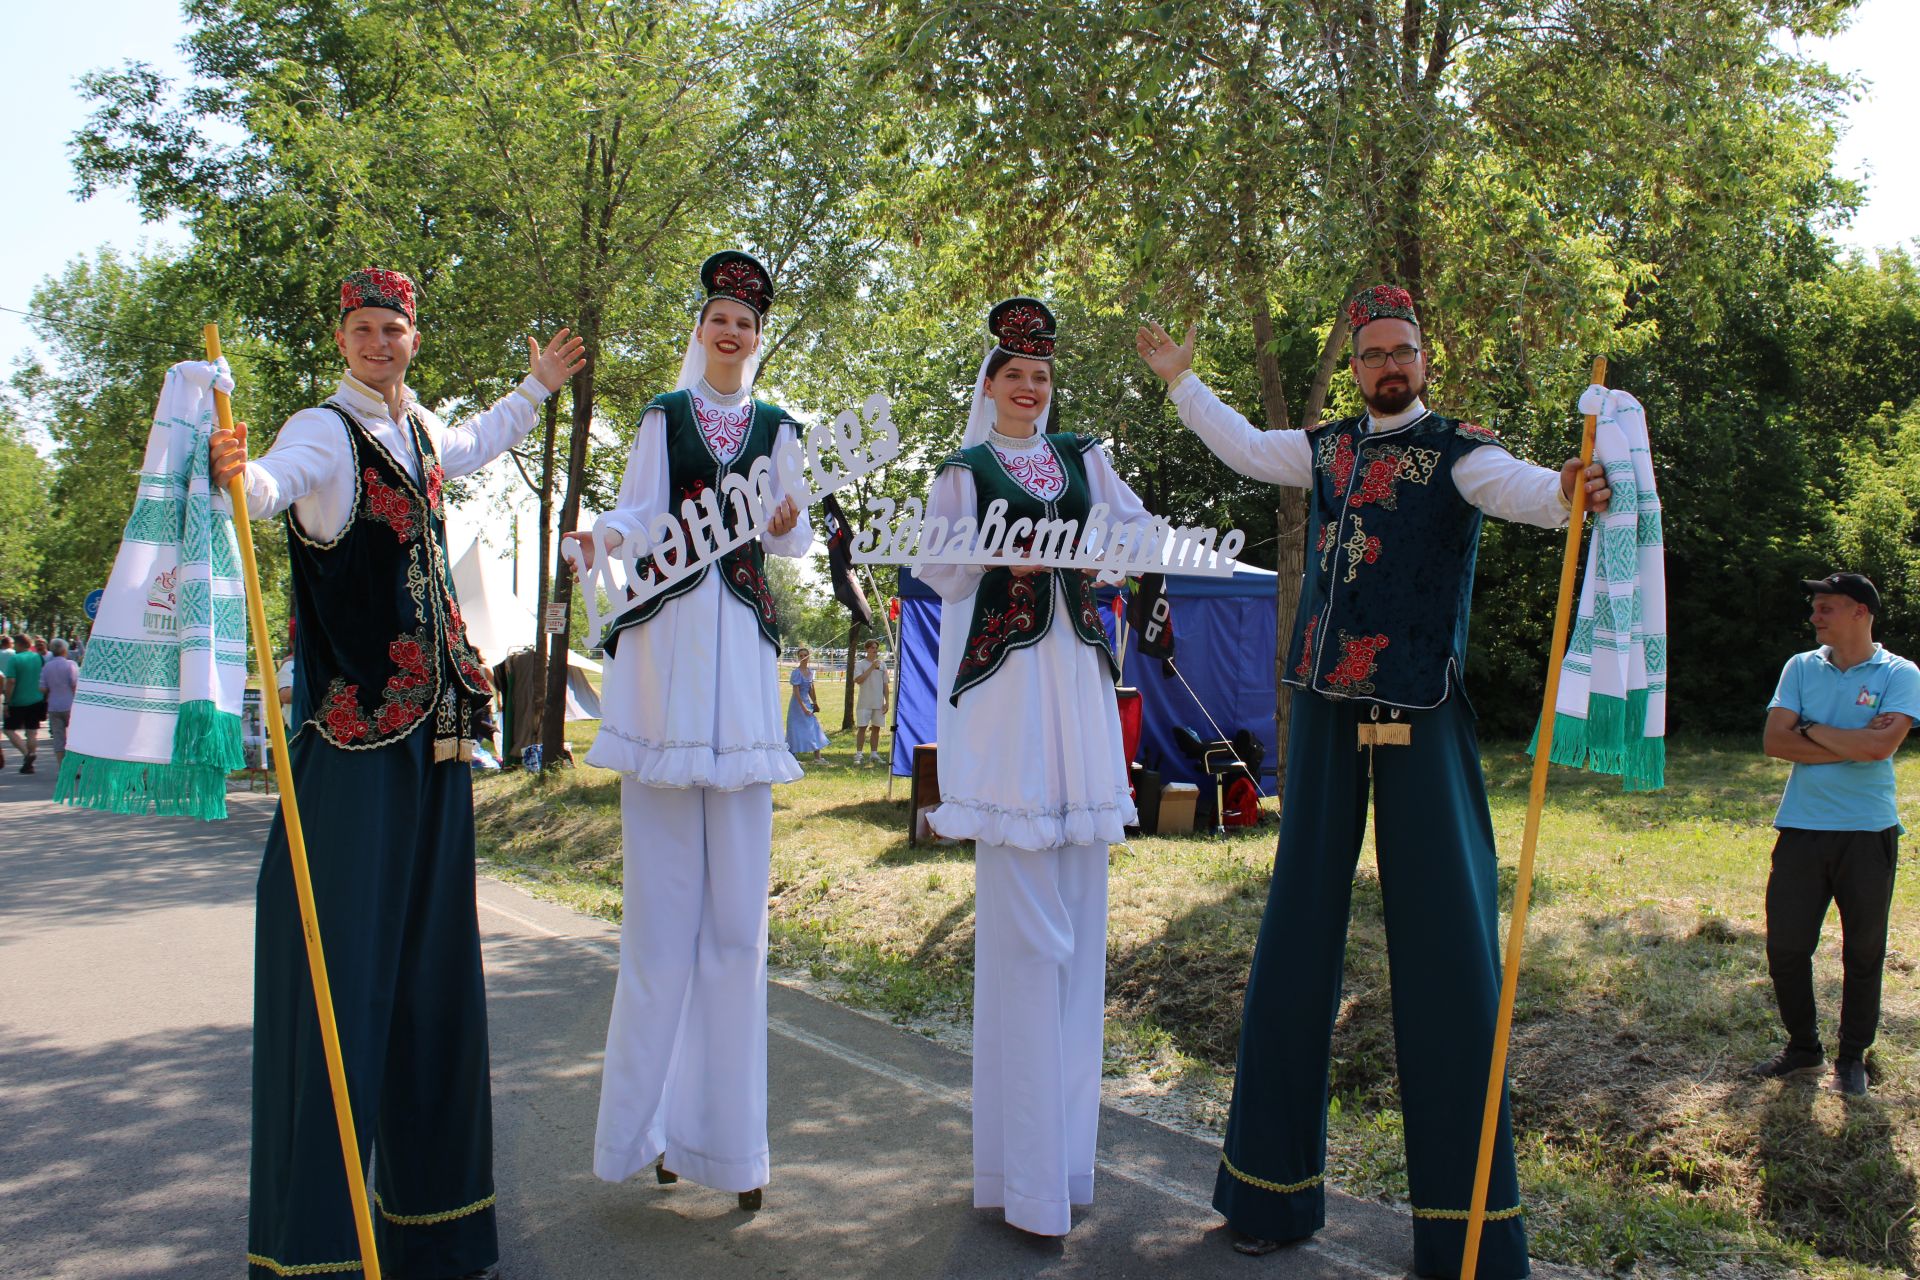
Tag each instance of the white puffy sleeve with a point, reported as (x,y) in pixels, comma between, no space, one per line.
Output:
(953,498)
(1108,487)
(471,444)
(1277,457)
(1508,489)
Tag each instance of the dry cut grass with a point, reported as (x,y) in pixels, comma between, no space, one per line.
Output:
(1644,996)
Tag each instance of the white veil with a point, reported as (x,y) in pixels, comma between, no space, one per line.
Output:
(981,415)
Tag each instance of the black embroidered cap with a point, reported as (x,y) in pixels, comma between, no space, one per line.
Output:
(1854,586)
(733,274)
(1023,327)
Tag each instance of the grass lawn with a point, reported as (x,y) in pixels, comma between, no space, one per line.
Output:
(1644,995)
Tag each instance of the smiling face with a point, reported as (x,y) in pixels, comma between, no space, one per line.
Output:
(378,344)
(1840,621)
(1393,386)
(1020,390)
(730,332)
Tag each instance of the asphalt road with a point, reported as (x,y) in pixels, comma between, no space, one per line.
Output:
(125,995)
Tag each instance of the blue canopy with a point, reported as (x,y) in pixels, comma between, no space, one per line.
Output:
(1223,647)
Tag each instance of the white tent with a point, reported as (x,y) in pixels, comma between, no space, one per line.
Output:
(499,622)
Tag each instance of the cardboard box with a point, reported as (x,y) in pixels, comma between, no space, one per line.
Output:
(1177,803)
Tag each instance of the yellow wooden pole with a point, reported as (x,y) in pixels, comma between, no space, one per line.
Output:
(297,847)
(1523,880)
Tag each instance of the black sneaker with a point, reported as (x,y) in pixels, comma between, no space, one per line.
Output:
(1850,1077)
(26,766)
(1787,1062)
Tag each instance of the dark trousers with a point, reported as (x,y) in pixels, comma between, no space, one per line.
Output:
(1438,879)
(1854,871)
(390,846)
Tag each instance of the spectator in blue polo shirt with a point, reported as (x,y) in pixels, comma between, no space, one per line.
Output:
(1840,713)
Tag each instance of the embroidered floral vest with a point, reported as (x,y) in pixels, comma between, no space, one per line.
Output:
(1011,613)
(378,639)
(694,452)
(1389,577)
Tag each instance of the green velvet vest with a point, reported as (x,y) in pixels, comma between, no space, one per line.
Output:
(1011,613)
(692,469)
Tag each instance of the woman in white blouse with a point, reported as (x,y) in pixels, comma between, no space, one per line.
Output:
(1033,771)
(692,723)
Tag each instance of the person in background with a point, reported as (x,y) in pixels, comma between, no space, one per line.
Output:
(59,676)
(1839,714)
(26,701)
(6,671)
(803,711)
(870,706)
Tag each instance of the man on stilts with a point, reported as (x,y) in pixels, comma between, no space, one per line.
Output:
(386,701)
(1377,661)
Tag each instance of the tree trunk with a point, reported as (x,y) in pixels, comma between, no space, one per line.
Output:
(553,714)
(544,574)
(1289,552)
(853,644)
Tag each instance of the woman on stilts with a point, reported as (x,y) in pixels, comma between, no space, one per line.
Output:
(1033,771)
(692,723)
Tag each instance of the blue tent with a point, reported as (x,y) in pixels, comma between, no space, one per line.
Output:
(1223,634)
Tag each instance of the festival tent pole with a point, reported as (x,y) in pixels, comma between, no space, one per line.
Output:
(1523,879)
(297,846)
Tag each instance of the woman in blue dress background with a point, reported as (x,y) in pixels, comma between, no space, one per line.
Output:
(803,711)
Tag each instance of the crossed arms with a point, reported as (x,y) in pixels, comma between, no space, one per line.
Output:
(1824,744)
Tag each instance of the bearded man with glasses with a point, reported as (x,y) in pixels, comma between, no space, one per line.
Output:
(1379,712)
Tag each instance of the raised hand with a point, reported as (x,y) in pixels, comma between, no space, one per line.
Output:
(1163,355)
(562,358)
(227,454)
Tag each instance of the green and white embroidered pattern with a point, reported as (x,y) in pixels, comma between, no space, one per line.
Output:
(156,722)
(1610,713)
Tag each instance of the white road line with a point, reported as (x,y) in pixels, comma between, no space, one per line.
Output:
(962,1099)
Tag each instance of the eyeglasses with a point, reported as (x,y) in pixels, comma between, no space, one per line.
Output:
(1401,355)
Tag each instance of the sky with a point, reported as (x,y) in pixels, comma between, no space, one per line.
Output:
(44,226)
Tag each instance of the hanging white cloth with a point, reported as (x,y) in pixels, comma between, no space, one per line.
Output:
(1610,712)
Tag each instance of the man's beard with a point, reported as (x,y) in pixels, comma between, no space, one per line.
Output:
(1388,400)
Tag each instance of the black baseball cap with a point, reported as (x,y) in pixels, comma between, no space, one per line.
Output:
(1854,586)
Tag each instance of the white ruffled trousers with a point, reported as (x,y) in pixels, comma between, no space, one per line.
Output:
(1033,769)
(1039,1012)
(686,1064)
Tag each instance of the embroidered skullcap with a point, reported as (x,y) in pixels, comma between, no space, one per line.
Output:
(377,287)
(1023,327)
(739,276)
(1381,302)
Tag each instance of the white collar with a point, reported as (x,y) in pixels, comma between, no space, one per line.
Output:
(1394,421)
(703,392)
(358,395)
(1013,442)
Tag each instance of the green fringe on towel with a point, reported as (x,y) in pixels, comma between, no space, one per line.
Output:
(131,787)
(207,737)
(1596,742)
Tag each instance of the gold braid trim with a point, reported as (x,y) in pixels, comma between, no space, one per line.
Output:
(1284,1188)
(1461,1215)
(304,1268)
(429,1219)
